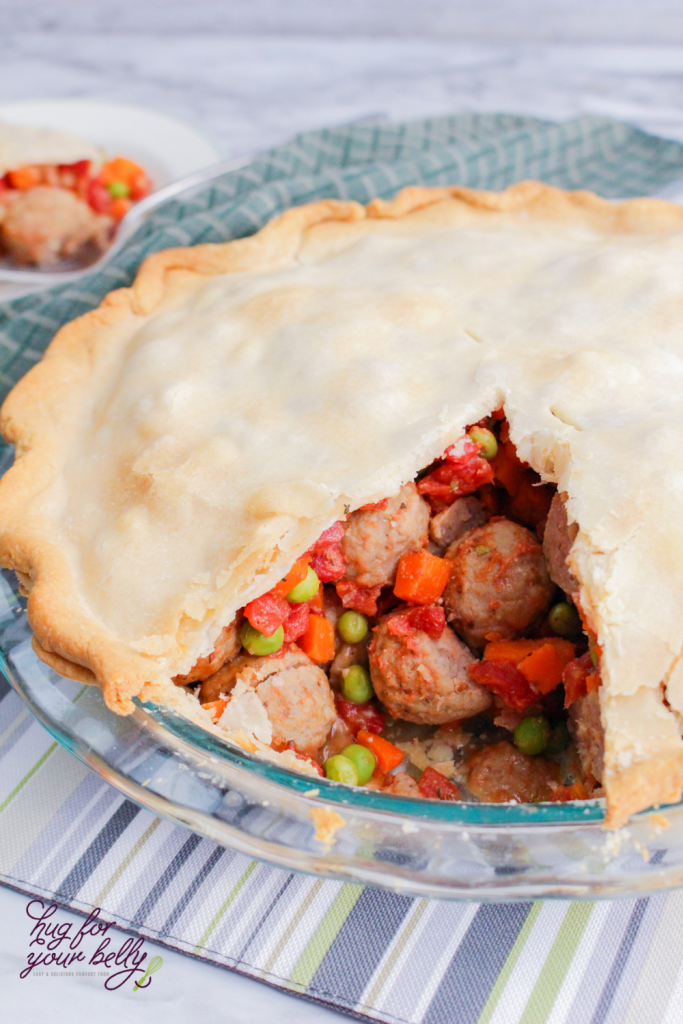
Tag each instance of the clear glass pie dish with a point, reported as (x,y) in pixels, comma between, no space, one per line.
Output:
(419,847)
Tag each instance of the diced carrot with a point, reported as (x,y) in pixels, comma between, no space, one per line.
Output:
(216,708)
(577,791)
(510,650)
(318,640)
(315,605)
(118,208)
(388,756)
(297,574)
(121,169)
(592,681)
(25,177)
(517,650)
(498,414)
(421,577)
(543,668)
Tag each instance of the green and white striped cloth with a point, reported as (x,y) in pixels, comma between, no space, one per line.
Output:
(68,836)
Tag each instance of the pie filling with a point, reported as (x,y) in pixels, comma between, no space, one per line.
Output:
(429,645)
(50,211)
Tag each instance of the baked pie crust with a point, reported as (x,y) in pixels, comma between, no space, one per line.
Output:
(178,447)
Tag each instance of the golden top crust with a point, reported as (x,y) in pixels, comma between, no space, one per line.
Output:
(180,446)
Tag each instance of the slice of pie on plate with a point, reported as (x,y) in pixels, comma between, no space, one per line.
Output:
(180,447)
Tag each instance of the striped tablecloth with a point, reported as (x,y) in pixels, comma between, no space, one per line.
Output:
(68,836)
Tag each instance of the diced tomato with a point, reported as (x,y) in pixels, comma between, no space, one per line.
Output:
(97,195)
(463,471)
(360,716)
(374,506)
(71,175)
(361,599)
(327,560)
(431,621)
(328,564)
(498,414)
(267,613)
(296,623)
(505,680)
(574,678)
(435,786)
(332,535)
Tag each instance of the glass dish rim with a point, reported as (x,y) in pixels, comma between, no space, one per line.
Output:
(453,813)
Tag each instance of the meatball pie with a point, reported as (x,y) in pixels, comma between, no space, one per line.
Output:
(179,448)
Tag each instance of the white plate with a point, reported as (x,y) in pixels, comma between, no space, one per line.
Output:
(167,148)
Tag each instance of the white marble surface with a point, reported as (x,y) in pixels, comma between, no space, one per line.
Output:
(251,91)
(251,73)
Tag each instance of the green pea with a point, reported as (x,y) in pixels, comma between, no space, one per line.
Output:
(532,734)
(363,760)
(305,590)
(564,620)
(118,189)
(356,685)
(352,627)
(558,740)
(341,769)
(487,440)
(255,642)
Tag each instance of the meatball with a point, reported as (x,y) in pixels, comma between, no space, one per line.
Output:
(498,583)
(463,515)
(374,541)
(43,224)
(226,647)
(500,772)
(423,680)
(585,725)
(558,537)
(294,691)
